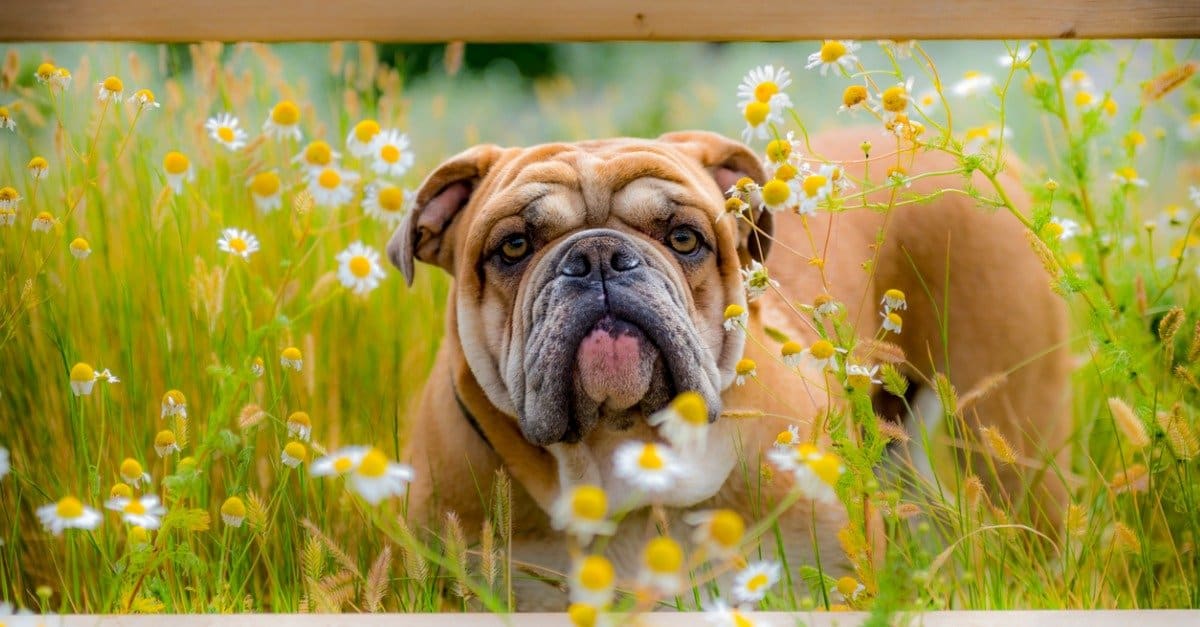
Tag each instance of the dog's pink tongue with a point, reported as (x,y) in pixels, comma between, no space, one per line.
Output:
(613,368)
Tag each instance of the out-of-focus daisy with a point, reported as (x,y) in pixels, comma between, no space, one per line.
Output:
(284,121)
(593,581)
(756,280)
(647,466)
(1194,195)
(132,473)
(358,142)
(1061,228)
(43,222)
(317,155)
(145,511)
(143,98)
(331,186)
(744,369)
(973,83)
(9,198)
(1077,80)
(736,317)
(1128,176)
(901,48)
(139,537)
(825,306)
(291,358)
(165,443)
(892,321)
(834,54)
(823,355)
(338,462)
(238,242)
(927,100)
(861,376)
(265,189)
(8,217)
(233,511)
(718,531)
(294,454)
(976,138)
(119,493)
(791,352)
(61,78)
(1190,130)
(391,154)
(386,202)
(720,614)
(893,300)
(258,367)
(788,437)
(5,466)
(359,268)
(582,512)
(299,425)
(662,565)
(377,478)
(38,168)
(83,379)
(6,120)
(849,588)
(751,583)
(684,422)
(815,472)
(44,73)
(174,403)
(178,169)
(224,129)
(110,88)
(1018,56)
(67,513)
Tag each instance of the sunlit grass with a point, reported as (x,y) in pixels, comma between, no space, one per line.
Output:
(162,307)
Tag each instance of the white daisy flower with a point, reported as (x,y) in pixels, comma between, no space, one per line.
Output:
(760,116)
(857,97)
(763,83)
(1063,228)
(835,173)
(391,154)
(720,614)
(825,306)
(927,101)
(777,194)
(901,48)
(9,198)
(862,376)
(299,425)
(736,317)
(583,512)
(178,169)
(291,357)
(8,217)
(358,142)
(293,454)
(823,355)
(684,422)
(339,462)
(110,88)
(662,566)
(894,300)
(814,189)
(792,354)
(61,78)
(238,242)
(80,249)
(6,120)
(145,511)
(233,511)
(756,280)
(143,99)
(850,588)
(972,83)
(83,379)
(131,472)
(751,583)
(375,478)
(174,403)
(895,99)
(815,472)
(266,190)
(977,138)
(1128,176)
(165,443)
(331,186)
(593,581)
(224,129)
(387,203)
(283,122)
(67,513)
(788,438)
(1078,80)
(744,369)
(359,268)
(647,466)
(891,321)
(834,54)
(718,531)
(43,222)
(317,156)
(1018,56)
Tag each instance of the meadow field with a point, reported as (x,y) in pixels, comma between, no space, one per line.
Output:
(195,315)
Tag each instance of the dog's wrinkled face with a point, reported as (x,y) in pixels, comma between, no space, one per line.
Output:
(590,278)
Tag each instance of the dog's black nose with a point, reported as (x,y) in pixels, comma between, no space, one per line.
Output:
(599,257)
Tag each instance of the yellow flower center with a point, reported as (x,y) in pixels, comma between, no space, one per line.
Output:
(174,397)
(391,198)
(121,490)
(691,407)
(783,437)
(226,133)
(45,70)
(813,184)
(373,464)
(1083,99)
(342,464)
(265,184)
(1127,173)
(596,573)
(135,507)
(847,585)
(1110,107)
(589,503)
(82,372)
(650,458)
(764,90)
(80,245)
(329,178)
(113,84)
(1134,139)
(69,507)
(175,163)
(139,535)
(233,506)
(757,582)
(1053,230)
(854,95)
(582,615)
(366,130)
(786,172)
(38,163)
(894,318)
(8,193)
(775,192)
(790,348)
(144,95)
(726,528)
(832,50)
(45,216)
(1077,76)
(291,353)
(756,113)
(131,469)
(298,418)
(745,366)
(295,450)
(389,153)
(740,620)
(285,113)
(894,294)
(828,467)
(238,244)
(318,153)
(821,349)
(895,98)
(733,311)
(663,555)
(778,150)
(360,266)
(165,437)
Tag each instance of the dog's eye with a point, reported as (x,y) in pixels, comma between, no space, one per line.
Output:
(515,247)
(683,240)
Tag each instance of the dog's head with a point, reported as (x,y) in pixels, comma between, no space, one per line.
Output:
(590,278)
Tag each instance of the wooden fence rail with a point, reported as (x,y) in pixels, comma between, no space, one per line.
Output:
(591,20)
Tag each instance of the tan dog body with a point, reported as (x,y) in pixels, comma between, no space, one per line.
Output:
(968,273)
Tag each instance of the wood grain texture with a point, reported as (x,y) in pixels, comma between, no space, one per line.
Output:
(590,20)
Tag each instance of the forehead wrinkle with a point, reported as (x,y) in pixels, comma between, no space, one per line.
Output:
(630,166)
(597,194)
(514,172)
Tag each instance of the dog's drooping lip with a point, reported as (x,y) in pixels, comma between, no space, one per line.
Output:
(614,363)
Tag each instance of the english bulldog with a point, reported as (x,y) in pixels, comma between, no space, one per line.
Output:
(590,281)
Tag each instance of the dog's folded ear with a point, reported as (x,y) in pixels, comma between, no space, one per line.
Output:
(728,161)
(426,231)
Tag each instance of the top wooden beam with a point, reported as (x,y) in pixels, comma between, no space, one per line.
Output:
(591,20)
